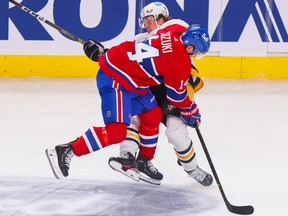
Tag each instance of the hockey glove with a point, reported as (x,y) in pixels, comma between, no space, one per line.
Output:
(93,49)
(191,115)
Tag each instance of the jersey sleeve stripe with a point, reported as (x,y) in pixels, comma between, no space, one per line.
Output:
(175,96)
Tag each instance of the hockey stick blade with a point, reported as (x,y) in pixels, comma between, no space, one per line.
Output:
(241,210)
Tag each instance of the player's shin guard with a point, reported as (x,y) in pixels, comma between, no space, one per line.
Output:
(178,136)
(187,157)
(97,138)
(149,131)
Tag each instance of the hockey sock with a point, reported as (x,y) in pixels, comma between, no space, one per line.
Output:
(149,131)
(187,157)
(96,138)
(131,142)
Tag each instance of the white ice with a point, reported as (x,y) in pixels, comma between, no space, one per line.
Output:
(244,125)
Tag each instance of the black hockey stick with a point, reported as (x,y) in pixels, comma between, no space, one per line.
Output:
(242,210)
(63,31)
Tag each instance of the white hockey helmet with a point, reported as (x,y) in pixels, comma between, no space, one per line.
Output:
(153,9)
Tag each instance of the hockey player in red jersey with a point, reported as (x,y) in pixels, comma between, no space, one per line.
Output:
(125,75)
(152,17)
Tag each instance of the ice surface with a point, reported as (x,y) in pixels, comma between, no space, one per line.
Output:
(244,125)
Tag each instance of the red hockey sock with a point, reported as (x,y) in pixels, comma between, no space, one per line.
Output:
(96,138)
(148,132)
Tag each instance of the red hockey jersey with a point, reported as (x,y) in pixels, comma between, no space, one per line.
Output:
(160,58)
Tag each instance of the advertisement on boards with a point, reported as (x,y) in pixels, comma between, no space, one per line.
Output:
(236,27)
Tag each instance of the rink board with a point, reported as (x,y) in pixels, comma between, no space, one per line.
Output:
(82,67)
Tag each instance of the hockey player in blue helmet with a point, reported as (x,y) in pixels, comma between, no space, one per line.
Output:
(197,43)
(198,37)
(187,109)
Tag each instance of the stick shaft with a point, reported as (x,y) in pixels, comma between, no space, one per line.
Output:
(243,210)
(32,13)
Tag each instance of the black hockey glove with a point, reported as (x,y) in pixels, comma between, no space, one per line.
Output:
(93,49)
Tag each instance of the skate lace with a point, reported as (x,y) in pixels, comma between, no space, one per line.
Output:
(68,156)
(198,174)
(151,167)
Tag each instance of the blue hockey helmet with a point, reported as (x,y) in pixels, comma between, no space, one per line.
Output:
(197,36)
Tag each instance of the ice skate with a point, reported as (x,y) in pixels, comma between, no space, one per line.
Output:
(147,172)
(59,159)
(201,176)
(126,165)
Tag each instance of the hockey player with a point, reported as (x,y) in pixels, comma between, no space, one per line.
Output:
(152,17)
(123,80)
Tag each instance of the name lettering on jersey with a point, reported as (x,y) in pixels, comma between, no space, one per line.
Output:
(166,42)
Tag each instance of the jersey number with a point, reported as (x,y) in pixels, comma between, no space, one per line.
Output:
(182,84)
(143,51)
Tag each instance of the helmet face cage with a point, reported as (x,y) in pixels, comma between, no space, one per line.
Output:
(197,36)
(153,9)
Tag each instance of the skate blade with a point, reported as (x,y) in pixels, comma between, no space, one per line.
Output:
(147,179)
(131,173)
(53,161)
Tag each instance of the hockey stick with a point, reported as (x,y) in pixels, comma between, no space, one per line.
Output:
(242,210)
(63,31)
